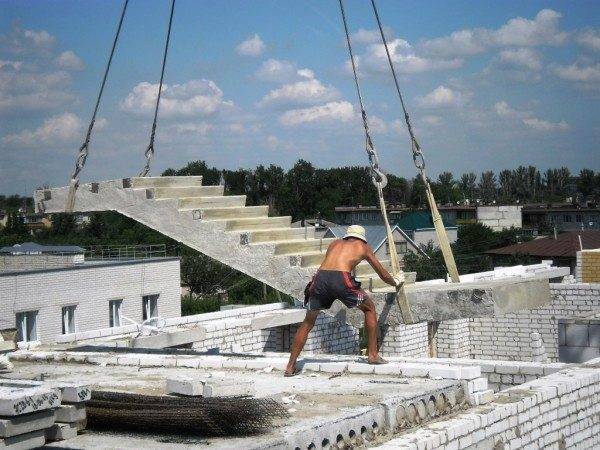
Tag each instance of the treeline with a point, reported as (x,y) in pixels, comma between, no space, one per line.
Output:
(305,191)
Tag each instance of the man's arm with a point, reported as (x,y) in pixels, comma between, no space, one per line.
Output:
(378,267)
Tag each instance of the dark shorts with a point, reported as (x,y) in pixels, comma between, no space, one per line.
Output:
(329,285)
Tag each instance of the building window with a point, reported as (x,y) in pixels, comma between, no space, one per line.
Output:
(68,319)
(567,218)
(401,248)
(149,306)
(578,218)
(27,326)
(114,310)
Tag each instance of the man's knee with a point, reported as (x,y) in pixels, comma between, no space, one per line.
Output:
(367,306)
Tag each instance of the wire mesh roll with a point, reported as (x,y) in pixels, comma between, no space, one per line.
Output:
(209,417)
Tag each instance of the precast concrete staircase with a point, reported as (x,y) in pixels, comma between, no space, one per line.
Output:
(268,249)
(221,226)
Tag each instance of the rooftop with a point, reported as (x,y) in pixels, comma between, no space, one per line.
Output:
(565,245)
(31,248)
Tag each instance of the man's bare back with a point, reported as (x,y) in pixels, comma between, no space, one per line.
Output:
(345,254)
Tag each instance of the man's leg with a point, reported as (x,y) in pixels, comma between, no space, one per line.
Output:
(300,339)
(368,307)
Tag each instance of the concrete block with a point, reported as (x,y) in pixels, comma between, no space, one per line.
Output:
(365,368)
(481,398)
(17,399)
(209,387)
(26,423)
(25,441)
(71,392)
(452,373)
(61,431)
(470,372)
(333,367)
(414,370)
(70,413)
(388,369)
(278,319)
(576,335)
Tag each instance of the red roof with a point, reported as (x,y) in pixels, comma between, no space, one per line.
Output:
(565,245)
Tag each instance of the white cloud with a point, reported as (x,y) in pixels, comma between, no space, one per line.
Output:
(15,65)
(333,111)
(199,128)
(544,125)
(20,41)
(542,30)
(517,32)
(460,43)
(194,98)
(377,125)
(579,73)
(305,92)
(253,46)
(363,36)
(521,58)
(276,70)
(442,96)
(590,39)
(57,129)
(528,119)
(432,120)
(70,61)
(403,56)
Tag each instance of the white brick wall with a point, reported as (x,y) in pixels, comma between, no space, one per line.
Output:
(453,339)
(405,340)
(508,337)
(90,287)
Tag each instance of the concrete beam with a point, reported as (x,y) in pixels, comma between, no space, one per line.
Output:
(19,399)
(169,339)
(278,319)
(449,301)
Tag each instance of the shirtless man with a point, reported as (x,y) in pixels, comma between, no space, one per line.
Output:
(334,281)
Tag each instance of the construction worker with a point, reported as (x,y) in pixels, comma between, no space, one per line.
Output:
(334,281)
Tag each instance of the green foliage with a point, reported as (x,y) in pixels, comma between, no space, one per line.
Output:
(191,305)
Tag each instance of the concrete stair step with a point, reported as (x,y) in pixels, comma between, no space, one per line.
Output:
(258,223)
(196,191)
(234,212)
(312,259)
(220,201)
(153,182)
(281,234)
(371,283)
(364,268)
(298,247)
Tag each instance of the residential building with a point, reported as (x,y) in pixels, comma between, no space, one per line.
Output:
(3,219)
(43,303)
(366,215)
(561,249)
(560,216)
(418,225)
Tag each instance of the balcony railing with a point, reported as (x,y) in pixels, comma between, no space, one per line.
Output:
(124,252)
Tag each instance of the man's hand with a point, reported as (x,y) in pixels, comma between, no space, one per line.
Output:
(399,280)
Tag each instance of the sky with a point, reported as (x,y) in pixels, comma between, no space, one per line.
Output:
(489,85)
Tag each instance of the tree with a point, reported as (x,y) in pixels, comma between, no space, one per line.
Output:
(487,186)
(446,188)
(507,187)
(468,185)
(586,182)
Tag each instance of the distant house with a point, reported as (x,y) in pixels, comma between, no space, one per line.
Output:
(562,216)
(35,222)
(31,248)
(367,215)
(418,225)
(321,225)
(3,219)
(562,250)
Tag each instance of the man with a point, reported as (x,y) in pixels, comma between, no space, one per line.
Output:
(334,281)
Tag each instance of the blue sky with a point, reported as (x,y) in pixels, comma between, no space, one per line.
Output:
(489,85)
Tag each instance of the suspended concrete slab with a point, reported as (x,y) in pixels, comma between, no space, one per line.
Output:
(449,301)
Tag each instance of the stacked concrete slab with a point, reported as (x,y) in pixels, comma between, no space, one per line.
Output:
(35,412)
(26,412)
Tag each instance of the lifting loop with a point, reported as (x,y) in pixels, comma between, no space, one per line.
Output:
(84,149)
(419,161)
(149,153)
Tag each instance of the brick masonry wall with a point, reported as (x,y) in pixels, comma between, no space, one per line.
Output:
(588,266)
(453,340)
(89,288)
(508,336)
(405,340)
(557,411)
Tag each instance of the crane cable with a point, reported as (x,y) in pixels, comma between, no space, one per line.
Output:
(419,162)
(378,177)
(84,149)
(149,153)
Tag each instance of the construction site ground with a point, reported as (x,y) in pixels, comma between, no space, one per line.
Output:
(310,398)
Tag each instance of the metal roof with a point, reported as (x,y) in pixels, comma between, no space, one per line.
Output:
(565,245)
(33,248)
